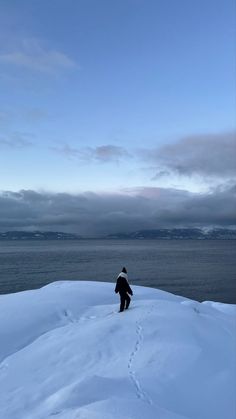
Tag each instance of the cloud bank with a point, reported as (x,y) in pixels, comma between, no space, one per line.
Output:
(92,214)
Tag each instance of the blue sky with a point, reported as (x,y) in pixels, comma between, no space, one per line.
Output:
(103,96)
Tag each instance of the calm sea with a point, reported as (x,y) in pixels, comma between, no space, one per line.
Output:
(202,270)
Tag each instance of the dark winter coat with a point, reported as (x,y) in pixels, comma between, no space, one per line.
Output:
(122,285)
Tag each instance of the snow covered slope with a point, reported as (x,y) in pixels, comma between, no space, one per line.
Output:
(66,353)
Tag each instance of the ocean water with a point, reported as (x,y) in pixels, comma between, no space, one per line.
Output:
(201,270)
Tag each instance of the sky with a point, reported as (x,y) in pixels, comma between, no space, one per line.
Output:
(117,116)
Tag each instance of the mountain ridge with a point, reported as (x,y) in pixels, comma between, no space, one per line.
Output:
(38,235)
(151,234)
(178,234)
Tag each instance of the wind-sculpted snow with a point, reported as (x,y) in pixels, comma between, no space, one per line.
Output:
(67,353)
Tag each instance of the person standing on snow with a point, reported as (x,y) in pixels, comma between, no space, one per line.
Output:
(123,288)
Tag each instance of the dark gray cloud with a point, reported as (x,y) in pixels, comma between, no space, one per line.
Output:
(93,214)
(103,154)
(203,155)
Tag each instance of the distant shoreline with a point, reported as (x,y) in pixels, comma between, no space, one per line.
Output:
(118,239)
(157,234)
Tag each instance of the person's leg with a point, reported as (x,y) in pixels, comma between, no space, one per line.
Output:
(122,302)
(128,299)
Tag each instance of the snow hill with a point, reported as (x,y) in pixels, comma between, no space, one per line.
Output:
(66,353)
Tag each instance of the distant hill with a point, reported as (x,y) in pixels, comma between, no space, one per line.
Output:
(178,234)
(157,234)
(37,235)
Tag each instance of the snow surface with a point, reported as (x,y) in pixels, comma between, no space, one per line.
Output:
(66,353)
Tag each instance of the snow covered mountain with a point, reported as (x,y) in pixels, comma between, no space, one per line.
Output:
(66,353)
(38,235)
(179,234)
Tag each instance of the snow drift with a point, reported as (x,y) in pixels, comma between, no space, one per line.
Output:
(65,352)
